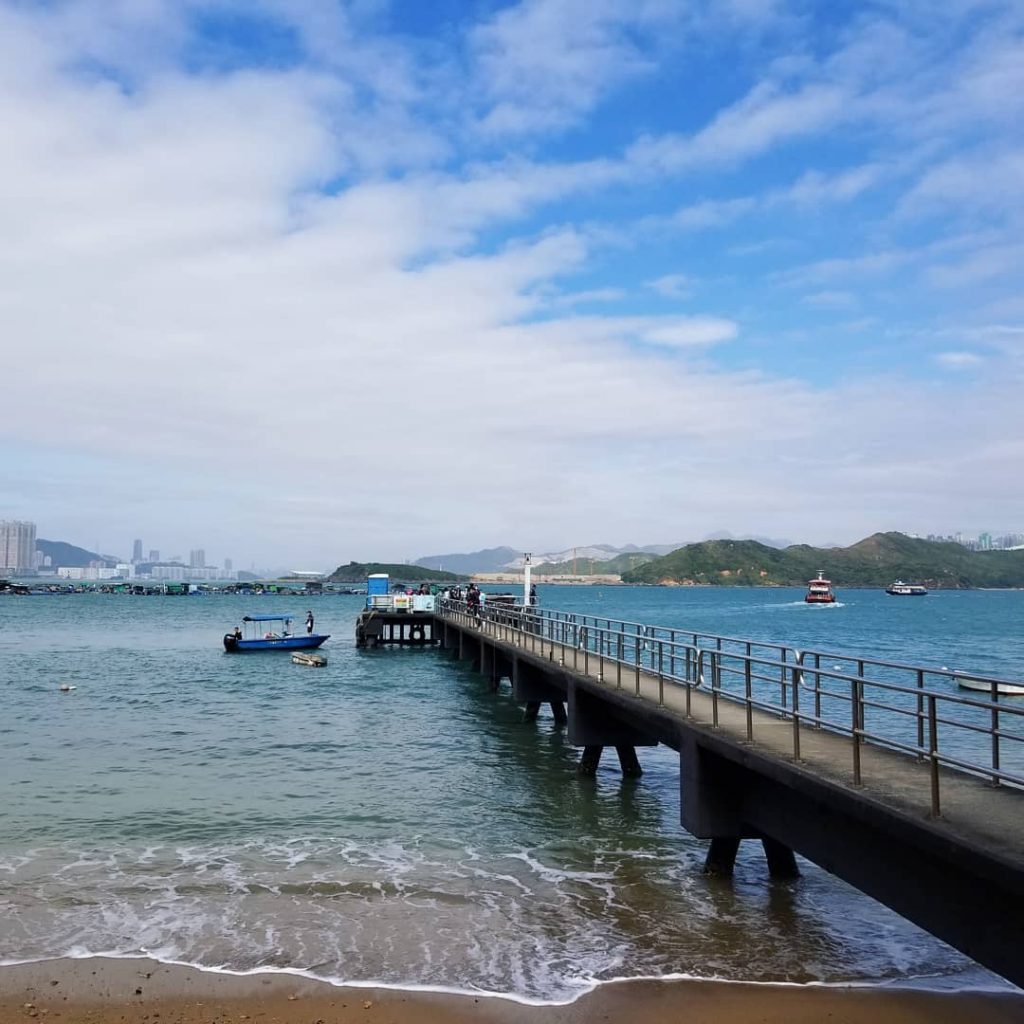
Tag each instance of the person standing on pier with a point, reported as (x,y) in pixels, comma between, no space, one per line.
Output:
(473,600)
(309,621)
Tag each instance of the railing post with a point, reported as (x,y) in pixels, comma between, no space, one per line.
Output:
(636,666)
(920,714)
(855,712)
(796,673)
(749,696)
(661,672)
(933,751)
(817,691)
(995,734)
(782,675)
(618,662)
(715,655)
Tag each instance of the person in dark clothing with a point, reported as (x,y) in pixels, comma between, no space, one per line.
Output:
(533,593)
(309,621)
(473,600)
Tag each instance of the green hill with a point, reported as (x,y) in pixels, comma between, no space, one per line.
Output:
(873,562)
(62,553)
(356,572)
(584,566)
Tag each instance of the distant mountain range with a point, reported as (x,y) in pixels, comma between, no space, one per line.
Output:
(876,561)
(596,566)
(488,560)
(64,554)
(600,555)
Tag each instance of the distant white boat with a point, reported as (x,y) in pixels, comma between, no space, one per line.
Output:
(1003,687)
(901,589)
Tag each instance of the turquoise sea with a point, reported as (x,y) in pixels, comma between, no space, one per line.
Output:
(389,820)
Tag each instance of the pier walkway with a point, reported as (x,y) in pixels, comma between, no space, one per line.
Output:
(881,773)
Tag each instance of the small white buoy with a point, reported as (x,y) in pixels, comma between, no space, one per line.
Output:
(66,687)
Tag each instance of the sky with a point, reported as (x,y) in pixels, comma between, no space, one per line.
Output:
(305,281)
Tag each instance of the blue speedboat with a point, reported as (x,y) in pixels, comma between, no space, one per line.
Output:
(270,633)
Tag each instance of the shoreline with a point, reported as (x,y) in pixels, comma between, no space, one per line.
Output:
(105,990)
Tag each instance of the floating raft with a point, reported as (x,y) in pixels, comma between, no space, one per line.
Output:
(309,658)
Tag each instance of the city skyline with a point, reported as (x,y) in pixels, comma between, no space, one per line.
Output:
(362,280)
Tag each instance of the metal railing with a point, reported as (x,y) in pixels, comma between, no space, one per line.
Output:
(884,704)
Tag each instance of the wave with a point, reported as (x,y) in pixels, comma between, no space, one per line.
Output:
(540,925)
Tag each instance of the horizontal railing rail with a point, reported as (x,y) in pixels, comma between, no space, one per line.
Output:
(869,701)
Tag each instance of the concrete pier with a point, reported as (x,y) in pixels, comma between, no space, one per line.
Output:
(858,810)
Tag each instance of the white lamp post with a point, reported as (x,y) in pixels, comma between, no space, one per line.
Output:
(526,580)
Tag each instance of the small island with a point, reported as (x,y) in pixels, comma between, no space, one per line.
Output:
(356,572)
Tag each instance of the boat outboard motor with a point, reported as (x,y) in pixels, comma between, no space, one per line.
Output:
(230,642)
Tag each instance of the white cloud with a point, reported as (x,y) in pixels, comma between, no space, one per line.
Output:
(982,264)
(835,299)
(814,188)
(544,63)
(958,360)
(594,295)
(672,286)
(767,116)
(979,181)
(710,213)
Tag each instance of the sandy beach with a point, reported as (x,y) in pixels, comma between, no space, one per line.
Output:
(107,991)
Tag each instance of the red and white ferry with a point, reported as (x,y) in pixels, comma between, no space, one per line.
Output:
(819,591)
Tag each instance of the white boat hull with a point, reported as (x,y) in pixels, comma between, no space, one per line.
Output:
(310,659)
(1004,689)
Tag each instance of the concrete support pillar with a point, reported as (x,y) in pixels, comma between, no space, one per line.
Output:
(781,859)
(592,723)
(532,710)
(589,761)
(629,762)
(502,667)
(530,684)
(711,793)
(721,858)
(558,710)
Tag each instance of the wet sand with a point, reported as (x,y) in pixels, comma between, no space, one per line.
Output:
(105,991)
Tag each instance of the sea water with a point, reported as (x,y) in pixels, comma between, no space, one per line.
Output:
(388,819)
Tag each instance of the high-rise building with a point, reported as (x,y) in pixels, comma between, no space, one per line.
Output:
(227,566)
(17,546)
(137,551)
(154,555)
(197,559)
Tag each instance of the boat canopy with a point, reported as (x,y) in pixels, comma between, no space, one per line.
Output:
(267,618)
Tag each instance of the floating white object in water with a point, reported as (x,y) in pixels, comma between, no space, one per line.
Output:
(66,687)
